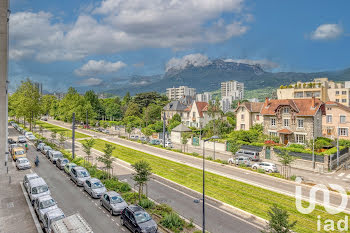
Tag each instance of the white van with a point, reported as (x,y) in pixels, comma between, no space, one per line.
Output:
(36,188)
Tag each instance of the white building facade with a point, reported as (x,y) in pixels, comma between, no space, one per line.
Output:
(175,93)
(231,91)
(204,97)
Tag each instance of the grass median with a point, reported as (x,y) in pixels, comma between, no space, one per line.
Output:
(67,132)
(247,197)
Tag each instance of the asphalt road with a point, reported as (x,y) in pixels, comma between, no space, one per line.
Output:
(69,197)
(219,219)
(256,179)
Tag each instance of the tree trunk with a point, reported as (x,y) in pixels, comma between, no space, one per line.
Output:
(140,188)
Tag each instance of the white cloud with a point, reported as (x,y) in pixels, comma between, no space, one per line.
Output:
(196,60)
(93,67)
(266,64)
(91,82)
(120,25)
(327,32)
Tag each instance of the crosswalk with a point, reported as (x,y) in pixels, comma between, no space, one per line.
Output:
(342,175)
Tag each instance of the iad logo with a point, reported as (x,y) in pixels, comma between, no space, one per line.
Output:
(329,224)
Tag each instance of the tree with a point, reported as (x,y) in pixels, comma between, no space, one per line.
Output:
(107,158)
(132,110)
(279,221)
(41,130)
(176,117)
(286,159)
(62,139)
(47,103)
(184,139)
(152,113)
(213,110)
(143,100)
(53,135)
(142,175)
(234,147)
(173,125)
(87,145)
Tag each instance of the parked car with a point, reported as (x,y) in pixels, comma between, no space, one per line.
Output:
(23,163)
(61,162)
(18,152)
(21,139)
(54,155)
(268,167)
(40,146)
(68,167)
(31,138)
(239,160)
(94,187)
(44,204)
(28,177)
(64,225)
(11,141)
(50,217)
(252,155)
(45,150)
(132,137)
(168,144)
(155,142)
(44,118)
(138,220)
(27,134)
(79,175)
(113,202)
(15,145)
(37,188)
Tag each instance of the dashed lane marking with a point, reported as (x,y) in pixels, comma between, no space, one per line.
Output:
(341,174)
(348,176)
(113,220)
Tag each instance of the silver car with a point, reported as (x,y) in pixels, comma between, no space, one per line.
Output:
(61,162)
(43,205)
(45,150)
(268,167)
(94,187)
(27,178)
(79,175)
(113,202)
(40,146)
(37,188)
(23,163)
(54,155)
(21,139)
(50,217)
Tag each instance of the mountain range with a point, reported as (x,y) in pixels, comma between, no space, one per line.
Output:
(209,76)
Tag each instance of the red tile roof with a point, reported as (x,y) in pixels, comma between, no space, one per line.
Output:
(302,107)
(285,131)
(201,106)
(328,103)
(251,106)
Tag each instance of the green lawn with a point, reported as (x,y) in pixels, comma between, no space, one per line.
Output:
(58,129)
(241,195)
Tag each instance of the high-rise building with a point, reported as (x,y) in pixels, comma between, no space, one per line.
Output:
(204,97)
(175,93)
(39,86)
(230,91)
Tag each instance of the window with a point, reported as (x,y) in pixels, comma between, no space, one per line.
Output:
(343,132)
(329,131)
(273,121)
(329,118)
(299,138)
(329,109)
(337,92)
(343,92)
(300,123)
(194,114)
(285,110)
(242,117)
(243,126)
(337,100)
(342,119)
(343,100)
(273,134)
(286,122)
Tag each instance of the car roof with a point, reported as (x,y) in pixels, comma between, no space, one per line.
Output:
(79,168)
(37,182)
(22,158)
(56,152)
(94,180)
(70,164)
(18,148)
(31,175)
(135,208)
(55,213)
(113,193)
(44,198)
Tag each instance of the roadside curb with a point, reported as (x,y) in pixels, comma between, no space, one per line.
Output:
(35,219)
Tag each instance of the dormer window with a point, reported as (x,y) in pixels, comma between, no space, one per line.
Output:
(285,110)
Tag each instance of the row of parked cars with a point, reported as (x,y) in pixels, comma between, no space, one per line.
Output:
(26,135)
(247,156)
(133,217)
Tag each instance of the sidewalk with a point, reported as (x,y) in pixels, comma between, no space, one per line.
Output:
(15,216)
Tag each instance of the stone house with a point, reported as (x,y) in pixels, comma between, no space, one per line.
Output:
(293,120)
(337,116)
(197,115)
(248,114)
(172,108)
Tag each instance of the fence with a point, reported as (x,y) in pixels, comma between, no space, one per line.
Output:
(246,147)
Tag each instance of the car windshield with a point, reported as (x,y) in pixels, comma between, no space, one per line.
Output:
(83,174)
(58,155)
(97,185)
(19,152)
(47,148)
(40,189)
(64,161)
(23,161)
(142,217)
(47,203)
(57,218)
(116,199)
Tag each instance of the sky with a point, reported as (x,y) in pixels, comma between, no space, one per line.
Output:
(86,43)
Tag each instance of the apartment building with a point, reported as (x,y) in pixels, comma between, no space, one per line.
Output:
(320,88)
(248,114)
(204,97)
(293,120)
(231,91)
(336,122)
(175,93)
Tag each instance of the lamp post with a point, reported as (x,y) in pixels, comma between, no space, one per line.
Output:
(203,198)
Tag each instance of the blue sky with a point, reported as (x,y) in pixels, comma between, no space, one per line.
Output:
(88,43)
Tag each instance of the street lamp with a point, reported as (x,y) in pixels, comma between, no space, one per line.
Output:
(203,198)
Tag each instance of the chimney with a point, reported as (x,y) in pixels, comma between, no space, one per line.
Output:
(238,103)
(313,102)
(267,101)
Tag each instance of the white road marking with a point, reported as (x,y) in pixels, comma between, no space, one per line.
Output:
(100,208)
(96,204)
(103,211)
(348,176)
(336,178)
(123,229)
(118,224)
(113,220)
(341,174)
(108,215)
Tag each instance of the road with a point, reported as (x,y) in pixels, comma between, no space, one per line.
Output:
(220,219)
(256,179)
(69,197)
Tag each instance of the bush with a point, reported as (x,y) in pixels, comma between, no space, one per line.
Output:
(300,146)
(209,158)
(344,142)
(293,177)
(124,187)
(173,222)
(146,203)
(195,154)
(260,170)
(163,209)
(131,197)
(242,165)
(224,162)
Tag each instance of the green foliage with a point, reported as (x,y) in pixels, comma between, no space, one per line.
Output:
(279,221)
(344,142)
(299,146)
(176,117)
(142,175)
(234,147)
(260,170)
(173,222)
(107,158)
(146,203)
(132,110)
(87,145)
(285,158)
